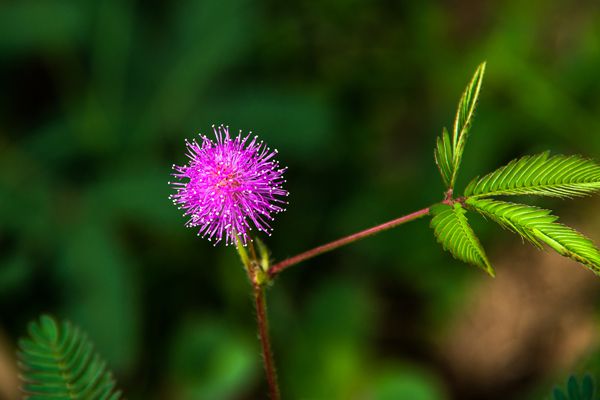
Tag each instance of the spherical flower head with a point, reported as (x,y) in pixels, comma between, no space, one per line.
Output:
(229,186)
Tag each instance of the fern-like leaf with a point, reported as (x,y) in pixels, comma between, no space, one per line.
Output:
(444,157)
(58,362)
(577,391)
(539,226)
(518,218)
(557,176)
(448,151)
(454,233)
(464,117)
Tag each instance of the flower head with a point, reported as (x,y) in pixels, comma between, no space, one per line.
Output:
(229,186)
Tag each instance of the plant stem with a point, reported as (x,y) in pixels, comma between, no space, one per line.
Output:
(265,341)
(280,266)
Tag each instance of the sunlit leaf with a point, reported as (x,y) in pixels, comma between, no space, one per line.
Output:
(464,117)
(557,176)
(539,226)
(444,157)
(454,233)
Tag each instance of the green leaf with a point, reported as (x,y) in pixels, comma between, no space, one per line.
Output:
(453,232)
(444,157)
(517,218)
(587,388)
(575,391)
(464,116)
(539,226)
(573,388)
(448,153)
(557,176)
(58,362)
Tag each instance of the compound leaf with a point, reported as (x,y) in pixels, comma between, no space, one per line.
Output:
(539,226)
(448,151)
(453,232)
(557,176)
(59,362)
(444,157)
(518,218)
(464,115)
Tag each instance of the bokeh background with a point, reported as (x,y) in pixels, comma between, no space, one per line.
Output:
(97,97)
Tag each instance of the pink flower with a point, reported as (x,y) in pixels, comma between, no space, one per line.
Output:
(229,186)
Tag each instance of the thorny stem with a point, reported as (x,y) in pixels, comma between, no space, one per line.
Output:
(280,266)
(265,341)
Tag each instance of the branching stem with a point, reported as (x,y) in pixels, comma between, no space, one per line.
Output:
(259,288)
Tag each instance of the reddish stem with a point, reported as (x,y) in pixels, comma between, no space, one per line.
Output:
(265,341)
(277,268)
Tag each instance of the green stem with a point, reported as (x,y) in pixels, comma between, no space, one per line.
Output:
(280,266)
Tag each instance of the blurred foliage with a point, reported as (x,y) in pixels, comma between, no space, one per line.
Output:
(210,360)
(58,362)
(97,98)
(576,390)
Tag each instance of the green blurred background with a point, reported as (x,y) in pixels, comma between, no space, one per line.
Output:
(97,97)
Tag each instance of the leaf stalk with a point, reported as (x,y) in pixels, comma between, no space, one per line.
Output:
(280,266)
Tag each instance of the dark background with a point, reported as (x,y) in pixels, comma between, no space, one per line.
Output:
(97,97)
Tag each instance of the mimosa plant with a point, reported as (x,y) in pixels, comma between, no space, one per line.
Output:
(232,187)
